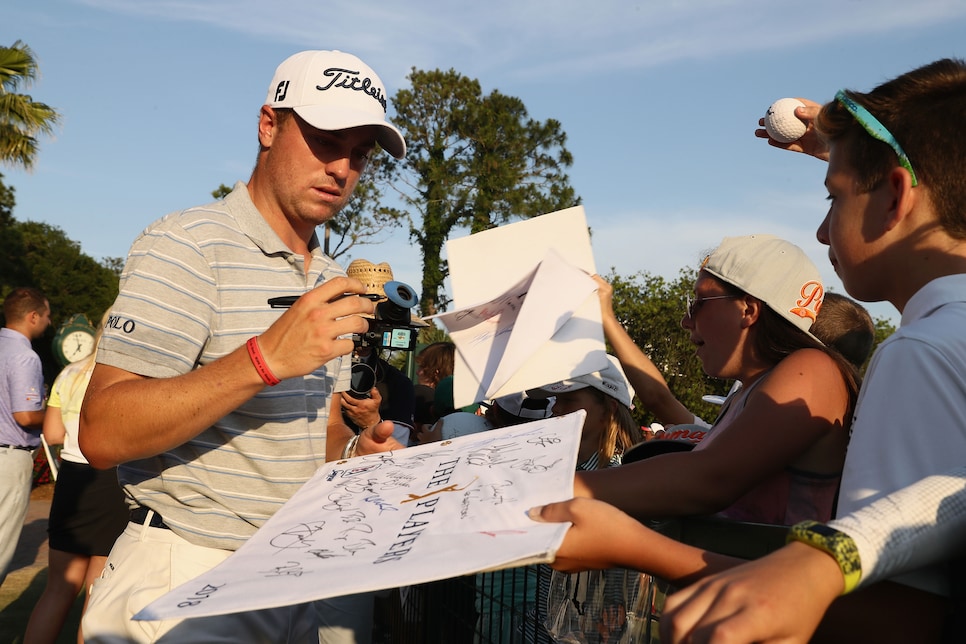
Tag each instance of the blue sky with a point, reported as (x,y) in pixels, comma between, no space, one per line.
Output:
(659,100)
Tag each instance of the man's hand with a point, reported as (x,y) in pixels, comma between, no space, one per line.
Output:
(316,329)
(378,438)
(363,412)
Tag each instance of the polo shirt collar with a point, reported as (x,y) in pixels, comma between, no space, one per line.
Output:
(253,224)
(940,291)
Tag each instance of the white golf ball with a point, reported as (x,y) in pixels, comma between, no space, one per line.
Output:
(781,122)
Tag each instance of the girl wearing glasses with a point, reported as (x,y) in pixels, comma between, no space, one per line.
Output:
(776,450)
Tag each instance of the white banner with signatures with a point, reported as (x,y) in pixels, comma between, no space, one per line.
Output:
(416,515)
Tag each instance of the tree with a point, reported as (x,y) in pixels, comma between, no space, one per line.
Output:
(40,255)
(21,118)
(73,281)
(7,203)
(473,161)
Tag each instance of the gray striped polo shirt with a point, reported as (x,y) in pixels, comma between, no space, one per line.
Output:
(194,288)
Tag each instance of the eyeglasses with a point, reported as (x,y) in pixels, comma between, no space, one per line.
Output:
(695,305)
(876,130)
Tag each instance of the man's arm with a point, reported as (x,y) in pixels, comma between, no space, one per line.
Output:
(764,600)
(373,438)
(127,416)
(31,421)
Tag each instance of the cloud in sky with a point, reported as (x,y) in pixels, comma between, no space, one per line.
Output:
(540,38)
(658,99)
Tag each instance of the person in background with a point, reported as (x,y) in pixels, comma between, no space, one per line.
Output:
(514,409)
(391,395)
(756,297)
(755,300)
(216,405)
(846,326)
(87,514)
(608,431)
(841,324)
(26,314)
(435,362)
(609,428)
(896,231)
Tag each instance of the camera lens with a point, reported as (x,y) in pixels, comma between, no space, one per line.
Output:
(362,381)
(404,293)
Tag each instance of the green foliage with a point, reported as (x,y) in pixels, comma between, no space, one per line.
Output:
(473,161)
(40,255)
(221,191)
(651,308)
(21,117)
(431,334)
(73,282)
(7,202)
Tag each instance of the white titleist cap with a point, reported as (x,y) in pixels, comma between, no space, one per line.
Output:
(332,90)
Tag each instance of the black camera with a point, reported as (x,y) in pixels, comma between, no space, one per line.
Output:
(392,328)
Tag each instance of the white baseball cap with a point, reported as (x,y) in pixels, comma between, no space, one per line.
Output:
(332,90)
(523,406)
(773,270)
(611,380)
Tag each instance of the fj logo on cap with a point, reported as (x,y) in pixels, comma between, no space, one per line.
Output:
(281,91)
(348,79)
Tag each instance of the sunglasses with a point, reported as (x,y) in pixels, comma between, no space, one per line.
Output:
(695,305)
(876,130)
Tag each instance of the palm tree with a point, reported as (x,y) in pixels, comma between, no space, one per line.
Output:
(21,118)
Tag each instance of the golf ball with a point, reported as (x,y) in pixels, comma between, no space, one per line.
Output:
(781,122)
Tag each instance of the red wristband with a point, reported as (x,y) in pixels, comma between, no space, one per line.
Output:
(258,360)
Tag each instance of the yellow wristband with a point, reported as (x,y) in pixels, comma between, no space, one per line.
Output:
(837,544)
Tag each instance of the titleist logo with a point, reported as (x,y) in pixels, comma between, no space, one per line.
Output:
(349,79)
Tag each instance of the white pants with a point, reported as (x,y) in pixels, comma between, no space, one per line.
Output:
(146,563)
(16,479)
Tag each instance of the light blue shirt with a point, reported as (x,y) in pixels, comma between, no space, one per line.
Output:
(21,387)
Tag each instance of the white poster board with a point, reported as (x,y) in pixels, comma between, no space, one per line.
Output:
(400,518)
(527,312)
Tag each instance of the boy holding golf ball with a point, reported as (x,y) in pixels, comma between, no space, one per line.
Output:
(896,231)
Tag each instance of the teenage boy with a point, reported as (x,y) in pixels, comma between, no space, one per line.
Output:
(896,231)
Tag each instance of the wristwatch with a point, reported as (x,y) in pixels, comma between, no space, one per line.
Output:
(837,544)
